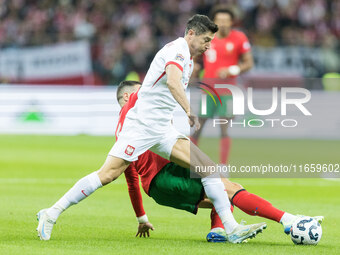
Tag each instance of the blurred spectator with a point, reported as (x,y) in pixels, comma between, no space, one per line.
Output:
(125,34)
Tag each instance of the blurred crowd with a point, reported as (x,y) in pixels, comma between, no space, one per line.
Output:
(125,34)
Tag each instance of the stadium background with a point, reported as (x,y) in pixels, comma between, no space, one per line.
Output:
(125,35)
(59,64)
(86,43)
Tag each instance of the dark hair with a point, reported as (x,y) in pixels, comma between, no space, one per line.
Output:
(221,9)
(201,24)
(123,85)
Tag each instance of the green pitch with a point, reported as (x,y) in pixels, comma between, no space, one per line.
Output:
(37,170)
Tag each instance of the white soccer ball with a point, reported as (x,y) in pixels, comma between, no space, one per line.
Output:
(306,230)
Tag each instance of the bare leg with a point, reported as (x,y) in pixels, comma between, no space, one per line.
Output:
(112,169)
(231,187)
(205,203)
(188,155)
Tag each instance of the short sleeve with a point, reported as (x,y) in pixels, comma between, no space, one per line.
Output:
(244,44)
(175,54)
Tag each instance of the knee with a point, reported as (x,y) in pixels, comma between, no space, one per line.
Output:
(237,186)
(233,189)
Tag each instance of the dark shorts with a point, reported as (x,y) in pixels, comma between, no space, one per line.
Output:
(173,187)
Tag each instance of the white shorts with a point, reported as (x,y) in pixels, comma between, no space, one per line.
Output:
(135,141)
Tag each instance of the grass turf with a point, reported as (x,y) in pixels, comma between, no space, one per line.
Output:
(36,170)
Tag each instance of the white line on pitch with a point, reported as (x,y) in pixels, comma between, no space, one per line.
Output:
(46,181)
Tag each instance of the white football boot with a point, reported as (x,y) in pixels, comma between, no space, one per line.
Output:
(244,232)
(45,225)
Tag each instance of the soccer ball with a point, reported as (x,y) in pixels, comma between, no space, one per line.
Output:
(306,230)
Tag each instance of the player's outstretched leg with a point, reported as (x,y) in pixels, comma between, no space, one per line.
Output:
(112,168)
(287,223)
(45,225)
(190,156)
(252,205)
(255,205)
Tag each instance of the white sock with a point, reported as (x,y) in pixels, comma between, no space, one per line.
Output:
(216,229)
(287,217)
(82,189)
(214,189)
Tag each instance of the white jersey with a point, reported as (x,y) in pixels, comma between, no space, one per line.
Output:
(155,105)
(147,123)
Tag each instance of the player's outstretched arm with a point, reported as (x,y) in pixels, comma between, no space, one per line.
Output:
(132,180)
(174,83)
(135,194)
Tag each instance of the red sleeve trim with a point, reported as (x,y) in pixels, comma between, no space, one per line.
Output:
(174,63)
(160,77)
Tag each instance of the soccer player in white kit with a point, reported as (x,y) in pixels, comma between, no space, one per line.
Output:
(148,126)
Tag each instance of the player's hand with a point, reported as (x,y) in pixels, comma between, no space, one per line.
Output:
(223,73)
(143,229)
(193,121)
